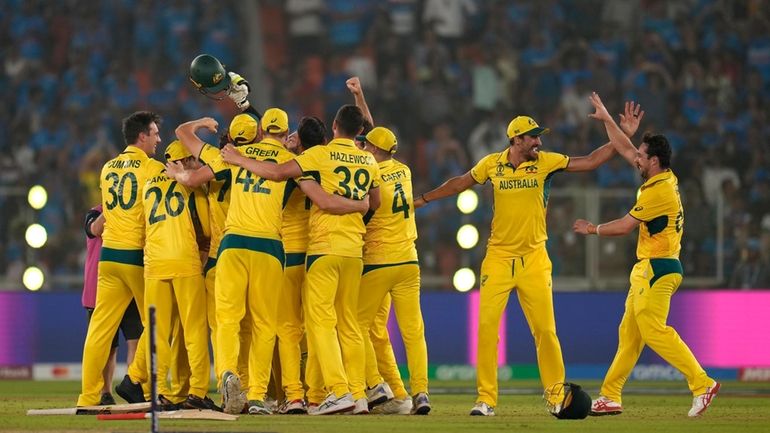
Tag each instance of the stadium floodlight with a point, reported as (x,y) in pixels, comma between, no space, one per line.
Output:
(37,197)
(468,236)
(467,201)
(464,279)
(33,278)
(36,235)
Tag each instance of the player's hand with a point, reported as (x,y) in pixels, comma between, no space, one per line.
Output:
(174,168)
(601,112)
(581,226)
(365,205)
(354,85)
(208,123)
(629,122)
(238,91)
(231,155)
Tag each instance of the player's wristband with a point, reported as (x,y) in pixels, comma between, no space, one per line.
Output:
(422,196)
(596,230)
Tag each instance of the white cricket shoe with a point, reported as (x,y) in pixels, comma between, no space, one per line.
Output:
(395,406)
(482,409)
(378,394)
(361,407)
(702,402)
(421,404)
(605,406)
(333,404)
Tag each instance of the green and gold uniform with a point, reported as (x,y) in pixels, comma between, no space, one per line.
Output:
(173,275)
(250,260)
(516,258)
(333,265)
(121,273)
(391,268)
(654,279)
(294,232)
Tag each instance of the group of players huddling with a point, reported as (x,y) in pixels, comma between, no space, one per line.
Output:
(288,250)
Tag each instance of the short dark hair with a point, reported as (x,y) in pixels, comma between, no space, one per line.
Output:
(311,131)
(138,122)
(350,120)
(657,145)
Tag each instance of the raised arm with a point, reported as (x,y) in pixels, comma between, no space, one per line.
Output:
(618,227)
(190,178)
(354,85)
(267,170)
(186,133)
(592,160)
(451,187)
(332,203)
(619,140)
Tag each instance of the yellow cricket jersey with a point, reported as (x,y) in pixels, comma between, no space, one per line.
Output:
(340,168)
(218,197)
(121,182)
(296,215)
(659,208)
(391,231)
(256,204)
(521,199)
(171,248)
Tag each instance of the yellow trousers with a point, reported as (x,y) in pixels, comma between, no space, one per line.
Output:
(121,279)
(189,296)
(290,326)
(653,282)
(331,319)
(380,360)
(402,282)
(245,286)
(209,279)
(531,277)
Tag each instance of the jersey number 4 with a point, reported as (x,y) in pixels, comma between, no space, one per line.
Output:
(399,200)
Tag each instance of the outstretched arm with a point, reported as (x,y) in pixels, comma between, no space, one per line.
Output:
(267,170)
(354,85)
(190,178)
(591,161)
(618,227)
(619,140)
(332,203)
(451,187)
(186,133)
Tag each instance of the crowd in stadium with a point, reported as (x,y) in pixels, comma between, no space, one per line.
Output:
(447,76)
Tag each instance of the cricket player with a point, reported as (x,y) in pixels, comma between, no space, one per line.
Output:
(311,132)
(121,272)
(131,324)
(333,264)
(656,276)
(391,267)
(173,275)
(516,256)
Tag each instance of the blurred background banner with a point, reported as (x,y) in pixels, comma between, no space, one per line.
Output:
(446,75)
(724,328)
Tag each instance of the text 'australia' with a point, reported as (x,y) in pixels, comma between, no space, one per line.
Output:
(518,184)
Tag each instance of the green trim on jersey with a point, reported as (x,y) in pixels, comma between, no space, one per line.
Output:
(295,259)
(368,268)
(311,259)
(211,262)
(657,225)
(127,257)
(661,267)
(268,246)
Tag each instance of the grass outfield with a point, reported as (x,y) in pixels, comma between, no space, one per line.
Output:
(650,407)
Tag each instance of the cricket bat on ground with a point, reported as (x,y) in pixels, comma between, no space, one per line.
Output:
(172,414)
(93,410)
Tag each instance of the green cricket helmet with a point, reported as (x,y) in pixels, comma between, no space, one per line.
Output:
(208,75)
